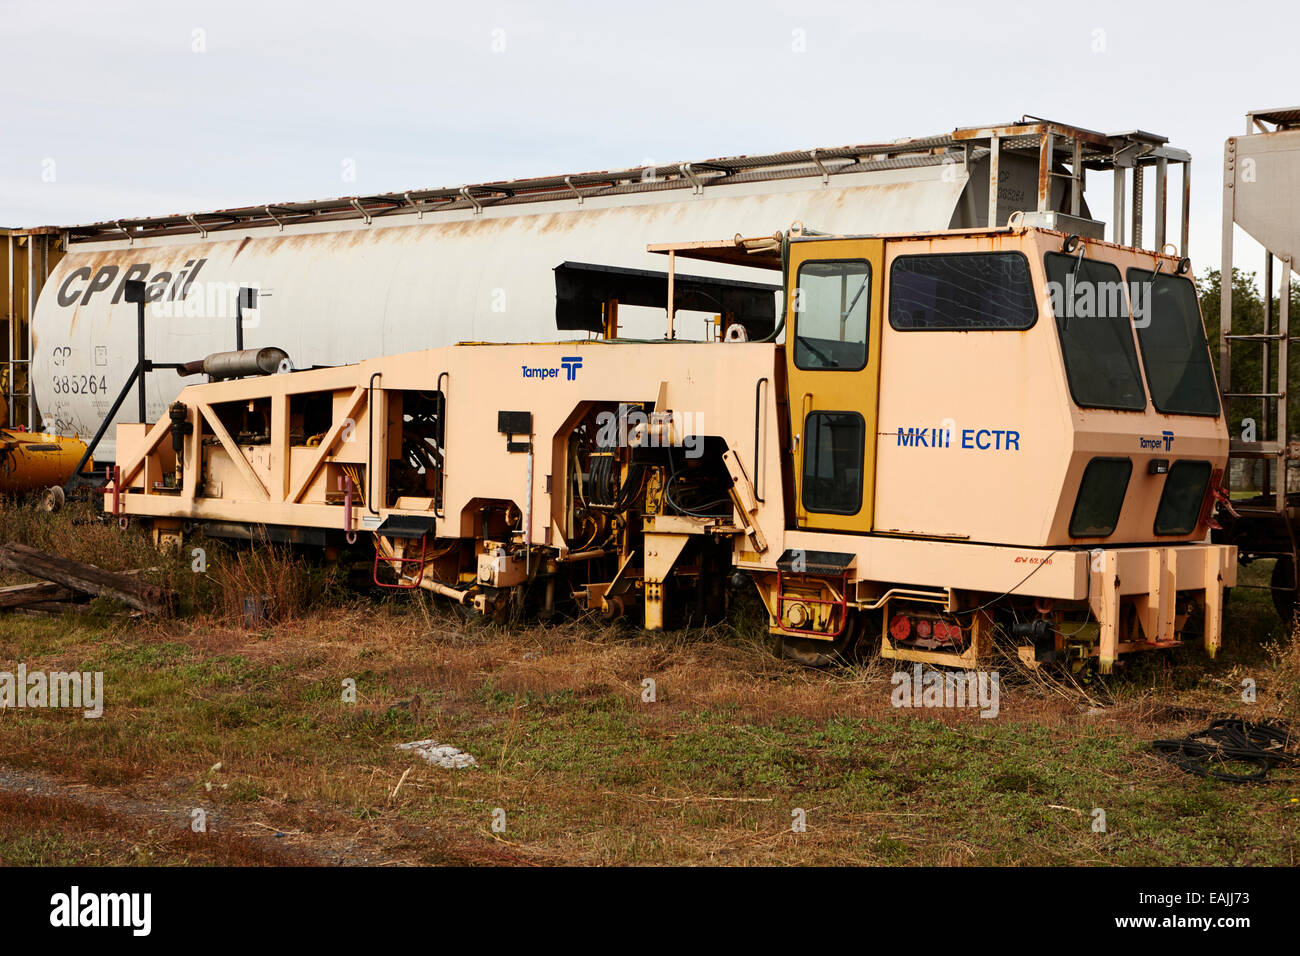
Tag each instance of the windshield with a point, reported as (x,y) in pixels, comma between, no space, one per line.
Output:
(1096,339)
(1172,339)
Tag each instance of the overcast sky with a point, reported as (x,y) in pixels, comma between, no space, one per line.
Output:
(147,108)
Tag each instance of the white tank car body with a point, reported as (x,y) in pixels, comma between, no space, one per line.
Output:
(337,292)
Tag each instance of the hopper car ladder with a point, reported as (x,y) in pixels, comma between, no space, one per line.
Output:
(1263,526)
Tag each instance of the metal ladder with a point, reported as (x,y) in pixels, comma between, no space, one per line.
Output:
(1271,430)
(1256,199)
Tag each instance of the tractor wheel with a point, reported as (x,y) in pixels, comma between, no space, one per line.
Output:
(53,499)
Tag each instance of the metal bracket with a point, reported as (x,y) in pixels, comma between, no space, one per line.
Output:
(511,424)
(465,194)
(826,173)
(744,498)
(203,233)
(568,181)
(686,170)
(356,204)
(419,209)
(1127,156)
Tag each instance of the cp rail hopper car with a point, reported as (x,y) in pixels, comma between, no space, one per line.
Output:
(477,262)
(1014,428)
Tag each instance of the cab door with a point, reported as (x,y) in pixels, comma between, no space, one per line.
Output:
(834,297)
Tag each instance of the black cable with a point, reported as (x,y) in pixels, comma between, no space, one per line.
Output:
(995,600)
(698,509)
(631,487)
(1231,740)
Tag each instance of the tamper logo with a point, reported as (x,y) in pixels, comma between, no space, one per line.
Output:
(570,364)
(1166,439)
(73,909)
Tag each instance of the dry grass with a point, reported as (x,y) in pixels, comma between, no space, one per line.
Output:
(238,583)
(589,773)
(586,770)
(1284,675)
(78,532)
(268,583)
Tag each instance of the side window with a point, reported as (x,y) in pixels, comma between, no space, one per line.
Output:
(1092,321)
(832,462)
(832,300)
(961,292)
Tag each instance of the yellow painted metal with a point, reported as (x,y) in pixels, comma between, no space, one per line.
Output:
(26,259)
(30,461)
(843,390)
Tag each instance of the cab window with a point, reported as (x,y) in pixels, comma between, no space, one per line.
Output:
(832,462)
(961,292)
(832,300)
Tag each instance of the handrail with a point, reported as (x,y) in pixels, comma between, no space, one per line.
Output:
(758,396)
(370,440)
(442,443)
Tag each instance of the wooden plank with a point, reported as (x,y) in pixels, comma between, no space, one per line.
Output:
(86,578)
(22,594)
(50,607)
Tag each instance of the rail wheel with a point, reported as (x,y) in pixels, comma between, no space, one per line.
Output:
(845,649)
